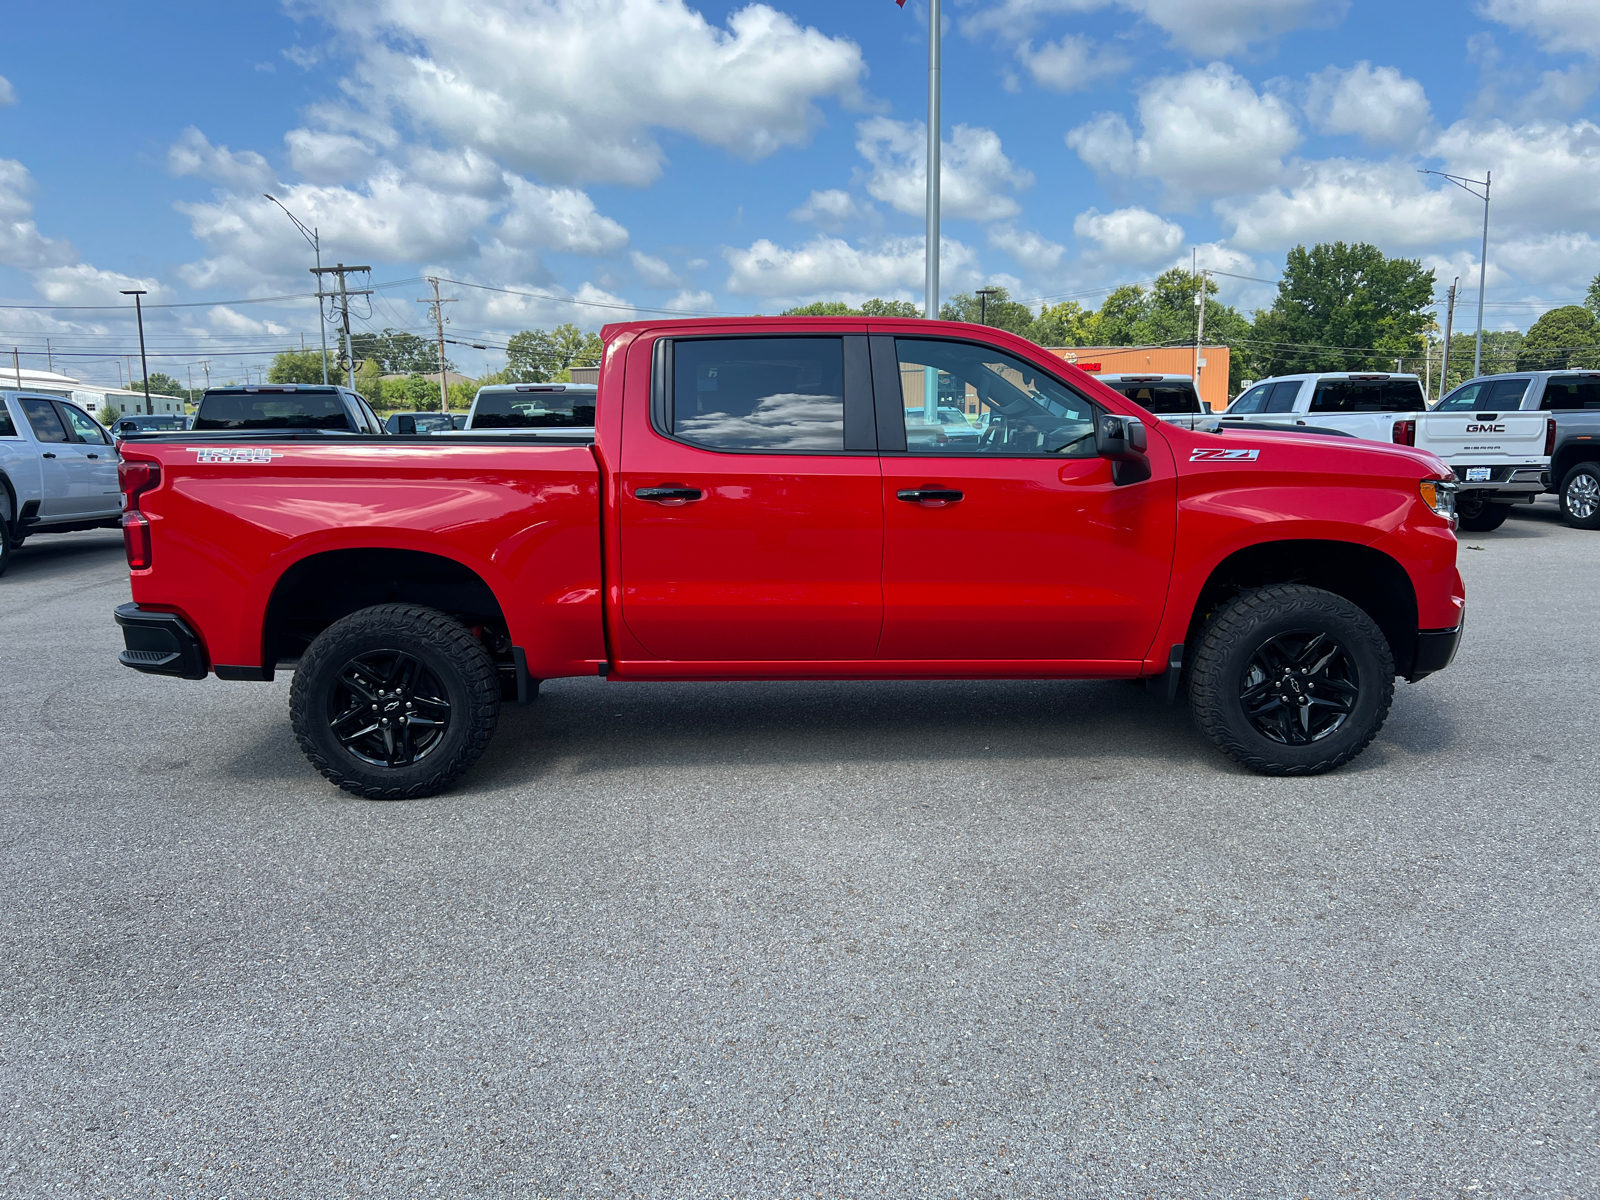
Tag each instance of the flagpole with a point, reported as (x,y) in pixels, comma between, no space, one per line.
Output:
(931,250)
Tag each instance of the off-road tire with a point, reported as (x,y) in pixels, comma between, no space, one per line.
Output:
(441,644)
(1480,516)
(1581,488)
(1229,644)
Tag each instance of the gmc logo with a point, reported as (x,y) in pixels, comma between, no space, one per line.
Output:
(1486,428)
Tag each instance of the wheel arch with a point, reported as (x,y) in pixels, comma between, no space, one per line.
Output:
(1370,579)
(319,589)
(1569,456)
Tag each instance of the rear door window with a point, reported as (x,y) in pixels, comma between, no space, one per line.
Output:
(1283,396)
(46,422)
(84,428)
(7,426)
(1571,392)
(1367,395)
(759,393)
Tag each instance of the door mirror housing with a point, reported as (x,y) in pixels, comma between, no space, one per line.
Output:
(1124,441)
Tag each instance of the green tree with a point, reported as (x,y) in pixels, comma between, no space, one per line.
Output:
(1121,314)
(544,356)
(1562,338)
(369,382)
(294,366)
(109,415)
(161,385)
(1000,311)
(1592,300)
(1066,324)
(397,352)
(870,308)
(1343,308)
(890,308)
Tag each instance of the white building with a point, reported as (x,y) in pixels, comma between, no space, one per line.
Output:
(92,399)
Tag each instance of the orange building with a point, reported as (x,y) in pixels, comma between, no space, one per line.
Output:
(1156,360)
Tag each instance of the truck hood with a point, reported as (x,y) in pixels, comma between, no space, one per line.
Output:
(1318,451)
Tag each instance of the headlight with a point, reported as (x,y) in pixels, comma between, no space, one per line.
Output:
(1440,495)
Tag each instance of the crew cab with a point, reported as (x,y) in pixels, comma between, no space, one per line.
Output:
(1364,405)
(1173,398)
(749,505)
(58,470)
(289,406)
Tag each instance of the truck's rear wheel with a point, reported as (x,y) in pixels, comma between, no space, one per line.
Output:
(1291,680)
(395,702)
(1580,496)
(1474,514)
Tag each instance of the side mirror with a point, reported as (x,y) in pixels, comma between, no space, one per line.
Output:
(406,424)
(1124,441)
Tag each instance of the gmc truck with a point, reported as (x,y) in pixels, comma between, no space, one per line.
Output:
(759,499)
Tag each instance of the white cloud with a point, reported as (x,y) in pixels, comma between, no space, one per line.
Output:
(834,269)
(1546,174)
(833,210)
(1561,92)
(8,94)
(1129,235)
(1219,27)
(1071,64)
(693,302)
(558,219)
(609,72)
(227,320)
(1380,105)
(193,155)
(1564,25)
(1027,248)
(655,272)
(462,170)
(83,284)
(1204,132)
(973,169)
(1388,204)
(21,243)
(323,157)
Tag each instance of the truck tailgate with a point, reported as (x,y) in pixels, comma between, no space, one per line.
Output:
(1487,438)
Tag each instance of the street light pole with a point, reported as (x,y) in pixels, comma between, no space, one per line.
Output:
(316,248)
(1467,186)
(983,295)
(143,365)
(932,247)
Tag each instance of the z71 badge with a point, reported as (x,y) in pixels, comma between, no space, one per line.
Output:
(235,454)
(1224,455)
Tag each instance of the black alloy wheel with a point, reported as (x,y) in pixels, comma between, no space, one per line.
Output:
(388,709)
(1580,496)
(395,702)
(1474,514)
(1291,680)
(1300,687)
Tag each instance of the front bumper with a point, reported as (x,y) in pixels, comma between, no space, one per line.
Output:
(1436,650)
(160,643)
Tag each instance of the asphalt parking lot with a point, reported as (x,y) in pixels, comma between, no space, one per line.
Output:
(784,940)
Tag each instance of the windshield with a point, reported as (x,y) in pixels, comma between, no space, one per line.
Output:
(1159,397)
(273,410)
(525,408)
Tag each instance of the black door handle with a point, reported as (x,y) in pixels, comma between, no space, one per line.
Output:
(918,495)
(47,454)
(91,456)
(662,494)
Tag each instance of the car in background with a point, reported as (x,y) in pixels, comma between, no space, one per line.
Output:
(150,423)
(521,406)
(1365,405)
(58,470)
(424,422)
(1173,398)
(950,427)
(319,408)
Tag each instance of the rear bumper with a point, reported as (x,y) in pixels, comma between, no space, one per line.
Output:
(159,643)
(1436,650)
(1512,482)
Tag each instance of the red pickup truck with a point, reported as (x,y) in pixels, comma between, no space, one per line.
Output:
(788,498)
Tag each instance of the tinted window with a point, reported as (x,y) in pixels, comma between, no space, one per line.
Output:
(1252,401)
(759,393)
(1486,394)
(1015,407)
(41,414)
(369,418)
(1367,395)
(1160,397)
(532,406)
(1283,396)
(84,427)
(7,429)
(1571,391)
(272,410)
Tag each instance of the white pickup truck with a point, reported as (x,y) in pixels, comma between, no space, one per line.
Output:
(58,470)
(1362,405)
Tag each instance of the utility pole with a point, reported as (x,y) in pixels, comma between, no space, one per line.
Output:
(344,295)
(205,365)
(1201,279)
(16,366)
(49,358)
(1449,321)
(315,239)
(143,365)
(438,319)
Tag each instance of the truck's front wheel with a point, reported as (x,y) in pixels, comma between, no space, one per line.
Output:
(1291,680)
(1580,496)
(395,701)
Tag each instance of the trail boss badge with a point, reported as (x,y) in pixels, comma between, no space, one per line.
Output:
(235,454)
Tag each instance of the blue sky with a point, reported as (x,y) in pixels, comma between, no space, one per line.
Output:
(602,154)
